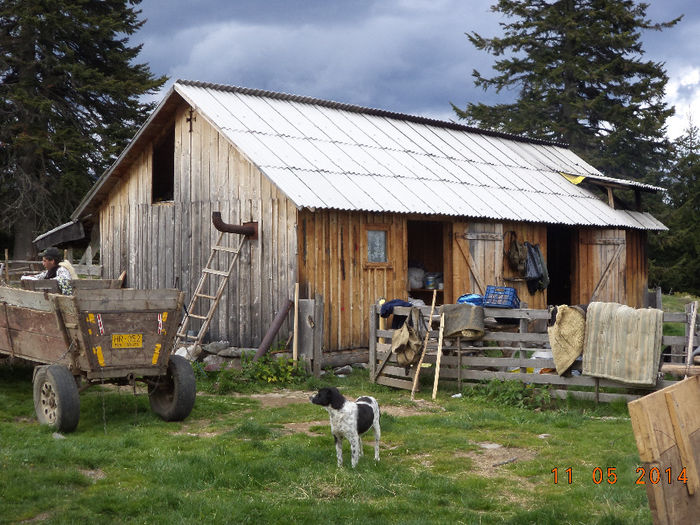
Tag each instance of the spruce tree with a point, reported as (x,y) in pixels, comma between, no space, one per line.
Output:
(578,69)
(69,103)
(675,254)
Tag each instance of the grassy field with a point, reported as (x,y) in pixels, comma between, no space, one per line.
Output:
(266,456)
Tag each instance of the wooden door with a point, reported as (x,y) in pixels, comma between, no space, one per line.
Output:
(602,265)
(477,257)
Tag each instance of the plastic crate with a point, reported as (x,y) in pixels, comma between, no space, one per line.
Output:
(501,297)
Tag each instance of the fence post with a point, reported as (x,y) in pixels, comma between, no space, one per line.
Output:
(372,341)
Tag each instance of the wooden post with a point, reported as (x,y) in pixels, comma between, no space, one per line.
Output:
(425,347)
(693,307)
(295,343)
(522,328)
(439,355)
(318,335)
(7,266)
(459,363)
(372,342)
(382,320)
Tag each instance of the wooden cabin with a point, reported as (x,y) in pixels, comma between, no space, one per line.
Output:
(344,198)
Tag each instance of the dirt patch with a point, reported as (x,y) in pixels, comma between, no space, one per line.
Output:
(304,427)
(94,475)
(421,406)
(491,462)
(281,398)
(39,517)
(187,430)
(289,397)
(198,434)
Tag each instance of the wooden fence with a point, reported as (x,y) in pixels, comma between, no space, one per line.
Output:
(507,352)
(11,270)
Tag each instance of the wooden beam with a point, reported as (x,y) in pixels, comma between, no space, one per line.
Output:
(611,198)
(470,262)
(439,355)
(295,343)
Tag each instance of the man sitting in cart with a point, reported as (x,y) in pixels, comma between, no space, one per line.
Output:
(55,269)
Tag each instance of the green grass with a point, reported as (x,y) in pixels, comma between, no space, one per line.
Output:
(234,460)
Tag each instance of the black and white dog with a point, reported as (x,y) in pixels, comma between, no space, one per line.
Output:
(350,419)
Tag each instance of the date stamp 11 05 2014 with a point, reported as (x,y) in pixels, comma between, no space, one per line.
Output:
(653,475)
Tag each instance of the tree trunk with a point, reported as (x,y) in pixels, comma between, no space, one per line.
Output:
(24,231)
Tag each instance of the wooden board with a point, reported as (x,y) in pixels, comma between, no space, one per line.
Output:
(666,427)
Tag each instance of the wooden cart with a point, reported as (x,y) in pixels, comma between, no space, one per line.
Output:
(97,336)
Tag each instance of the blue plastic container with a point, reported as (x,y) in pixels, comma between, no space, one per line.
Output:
(501,297)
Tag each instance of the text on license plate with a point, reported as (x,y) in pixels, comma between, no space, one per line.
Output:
(127,340)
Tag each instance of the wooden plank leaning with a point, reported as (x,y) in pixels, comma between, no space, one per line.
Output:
(439,355)
(425,347)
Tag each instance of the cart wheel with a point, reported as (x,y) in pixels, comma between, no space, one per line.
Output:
(172,397)
(56,398)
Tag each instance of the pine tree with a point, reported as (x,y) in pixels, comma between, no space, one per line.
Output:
(69,102)
(675,254)
(578,67)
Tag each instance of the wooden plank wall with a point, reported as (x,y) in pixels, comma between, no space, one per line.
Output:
(535,234)
(166,245)
(637,268)
(332,256)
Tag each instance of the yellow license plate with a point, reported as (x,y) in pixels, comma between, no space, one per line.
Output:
(127,340)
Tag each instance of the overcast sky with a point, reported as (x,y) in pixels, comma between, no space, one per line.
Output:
(409,56)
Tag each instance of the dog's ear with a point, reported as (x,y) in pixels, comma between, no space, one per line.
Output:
(337,399)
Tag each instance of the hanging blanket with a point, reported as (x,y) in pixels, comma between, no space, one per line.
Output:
(622,343)
(566,336)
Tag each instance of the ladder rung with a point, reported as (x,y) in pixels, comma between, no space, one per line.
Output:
(225,249)
(187,336)
(206,296)
(215,272)
(197,316)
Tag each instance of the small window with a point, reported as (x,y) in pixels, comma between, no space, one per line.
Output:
(163,174)
(376,246)
(377,236)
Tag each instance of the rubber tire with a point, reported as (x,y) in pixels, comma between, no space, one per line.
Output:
(56,398)
(172,398)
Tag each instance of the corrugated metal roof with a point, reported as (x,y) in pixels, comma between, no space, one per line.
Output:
(324,154)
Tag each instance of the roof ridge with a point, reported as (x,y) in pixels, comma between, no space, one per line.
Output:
(367,110)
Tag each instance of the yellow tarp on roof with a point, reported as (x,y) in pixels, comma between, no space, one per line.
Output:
(574,179)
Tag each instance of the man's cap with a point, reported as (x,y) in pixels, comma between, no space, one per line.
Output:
(51,253)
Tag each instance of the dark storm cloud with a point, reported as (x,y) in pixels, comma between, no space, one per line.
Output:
(409,56)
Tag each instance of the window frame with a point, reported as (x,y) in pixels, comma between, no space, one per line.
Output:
(386,228)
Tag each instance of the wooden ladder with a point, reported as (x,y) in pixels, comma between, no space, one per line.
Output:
(207,271)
